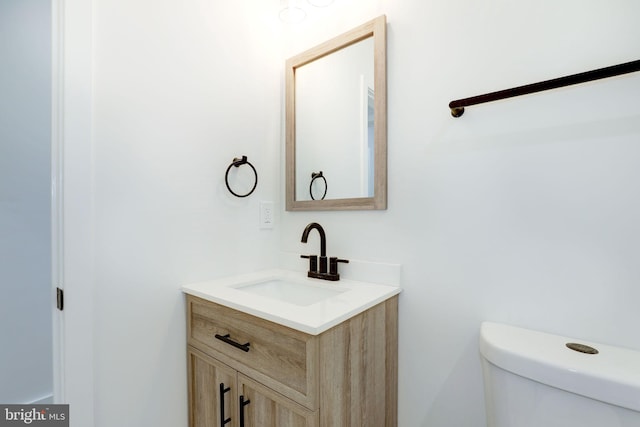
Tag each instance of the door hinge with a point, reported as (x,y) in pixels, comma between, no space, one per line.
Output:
(59,299)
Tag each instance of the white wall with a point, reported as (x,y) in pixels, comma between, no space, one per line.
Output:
(25,254)
(522,211)
(180,88)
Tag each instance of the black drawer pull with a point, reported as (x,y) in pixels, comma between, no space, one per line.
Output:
(223,420)
(225,338)
(243,403)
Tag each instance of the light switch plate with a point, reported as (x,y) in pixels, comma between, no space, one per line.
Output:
(266,215)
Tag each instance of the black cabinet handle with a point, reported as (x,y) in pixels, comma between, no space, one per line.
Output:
(228,340)
(223,390)
(243,403)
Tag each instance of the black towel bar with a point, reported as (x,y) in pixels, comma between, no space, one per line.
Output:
(457,106)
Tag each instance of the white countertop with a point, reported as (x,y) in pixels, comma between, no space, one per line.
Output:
(313,319)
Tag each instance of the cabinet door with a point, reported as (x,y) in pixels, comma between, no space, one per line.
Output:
(267,408)
(213,393)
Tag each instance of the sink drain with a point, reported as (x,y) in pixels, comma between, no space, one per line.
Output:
(582,348)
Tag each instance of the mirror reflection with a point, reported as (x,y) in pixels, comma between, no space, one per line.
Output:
(336,122)
(335,125)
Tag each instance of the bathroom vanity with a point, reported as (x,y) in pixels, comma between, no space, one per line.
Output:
(250,366)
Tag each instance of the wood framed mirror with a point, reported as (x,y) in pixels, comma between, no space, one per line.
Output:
(336,123)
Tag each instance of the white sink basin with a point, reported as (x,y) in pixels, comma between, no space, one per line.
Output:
(291,299)
(293,293)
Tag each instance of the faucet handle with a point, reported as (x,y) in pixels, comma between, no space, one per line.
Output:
(313,261)
(333,264)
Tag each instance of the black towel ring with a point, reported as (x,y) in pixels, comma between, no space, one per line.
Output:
(237,163)
(315,176)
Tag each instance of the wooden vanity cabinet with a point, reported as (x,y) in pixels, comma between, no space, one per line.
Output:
(207,401)
(214,397)
(344,377)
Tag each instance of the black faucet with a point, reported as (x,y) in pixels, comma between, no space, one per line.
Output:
(314,271)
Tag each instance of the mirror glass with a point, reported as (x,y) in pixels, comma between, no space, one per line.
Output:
(336,123)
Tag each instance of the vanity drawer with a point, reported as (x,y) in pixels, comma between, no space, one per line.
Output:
(281,358)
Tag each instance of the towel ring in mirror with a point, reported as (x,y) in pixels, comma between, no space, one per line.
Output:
(314,176)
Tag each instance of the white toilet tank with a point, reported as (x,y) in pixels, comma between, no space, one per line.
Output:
(532,379)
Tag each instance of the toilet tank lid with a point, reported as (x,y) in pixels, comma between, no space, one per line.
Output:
(611,376)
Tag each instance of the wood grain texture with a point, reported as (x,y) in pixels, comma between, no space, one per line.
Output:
(391,365)
(358,370)
(205,376)
(272,409)
(348,373)
(282,358)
